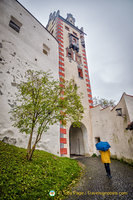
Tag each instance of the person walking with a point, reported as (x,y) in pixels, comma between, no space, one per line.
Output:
(105,158)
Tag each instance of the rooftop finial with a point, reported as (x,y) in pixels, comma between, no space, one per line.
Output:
(70,18)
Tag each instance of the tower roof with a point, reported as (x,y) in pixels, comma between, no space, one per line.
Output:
(70,20)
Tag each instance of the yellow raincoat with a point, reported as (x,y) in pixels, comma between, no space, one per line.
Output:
(105,156)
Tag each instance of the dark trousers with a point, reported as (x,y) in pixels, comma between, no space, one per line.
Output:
(107,167)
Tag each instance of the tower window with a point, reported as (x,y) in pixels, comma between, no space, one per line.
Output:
(78,58)
(75,33)
(15,24)
(66,28)
(80,72)
(73,42)
(69,53)
(82,40)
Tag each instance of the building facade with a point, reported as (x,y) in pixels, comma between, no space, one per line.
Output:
(73,65)
(60,47)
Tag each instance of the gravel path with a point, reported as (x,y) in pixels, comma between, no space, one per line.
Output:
(95,185)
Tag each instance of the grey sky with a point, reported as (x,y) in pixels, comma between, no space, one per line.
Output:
(109,41)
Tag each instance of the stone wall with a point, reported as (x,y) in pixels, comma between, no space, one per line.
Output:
(112,128)
(33,47)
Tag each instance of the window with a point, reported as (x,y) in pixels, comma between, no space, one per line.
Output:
(97,139)
(15,24)
(75,33)
(80,72)
(73,42)
(82,41)
(78,58)
(46,49)
(69,53)
(45,52)
(66,28)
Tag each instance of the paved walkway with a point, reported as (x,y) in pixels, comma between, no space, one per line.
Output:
(95,185)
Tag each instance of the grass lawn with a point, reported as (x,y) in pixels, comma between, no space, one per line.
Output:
(33,180)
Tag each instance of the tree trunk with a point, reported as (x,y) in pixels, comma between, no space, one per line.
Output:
(29,143)
(31,151)
(29,155)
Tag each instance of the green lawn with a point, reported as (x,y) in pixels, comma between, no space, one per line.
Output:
(33,180)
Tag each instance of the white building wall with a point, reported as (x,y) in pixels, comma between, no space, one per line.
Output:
(129,105)
(18,53)
(110,127)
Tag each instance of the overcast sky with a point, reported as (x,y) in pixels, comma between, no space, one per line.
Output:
(109,41)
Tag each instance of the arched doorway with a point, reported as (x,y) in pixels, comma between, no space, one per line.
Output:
(76,141)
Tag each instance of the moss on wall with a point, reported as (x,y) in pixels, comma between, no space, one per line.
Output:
(123,159)
(115,138)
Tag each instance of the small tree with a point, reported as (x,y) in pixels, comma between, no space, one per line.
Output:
(103,102)
(41,102)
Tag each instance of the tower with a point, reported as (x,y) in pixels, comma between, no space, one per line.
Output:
(73,65)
